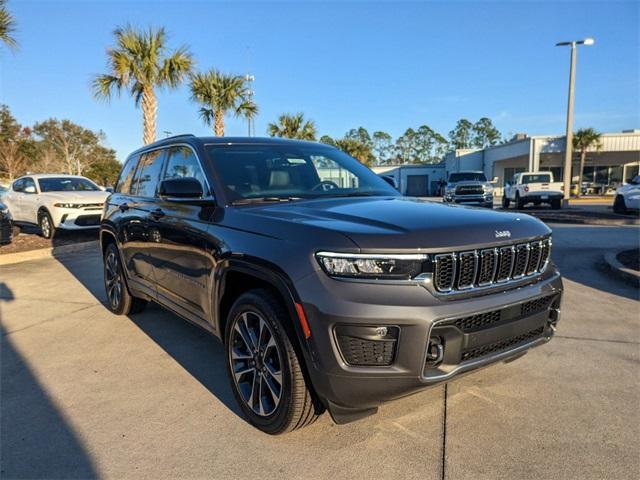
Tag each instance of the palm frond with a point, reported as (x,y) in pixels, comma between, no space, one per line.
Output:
(7,26)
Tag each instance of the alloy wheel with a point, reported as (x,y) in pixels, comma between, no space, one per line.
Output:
(45,226)
(256,363)
(113,279)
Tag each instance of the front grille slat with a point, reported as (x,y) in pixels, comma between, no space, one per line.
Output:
(484,267)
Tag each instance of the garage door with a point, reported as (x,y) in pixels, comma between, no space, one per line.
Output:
(417,185)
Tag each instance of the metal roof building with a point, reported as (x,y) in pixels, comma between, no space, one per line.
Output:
(615,163)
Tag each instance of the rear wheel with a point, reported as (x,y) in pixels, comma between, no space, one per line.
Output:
(619,206)
(47,229)
(119,299)
(265,373)
(519,202)
(505,202)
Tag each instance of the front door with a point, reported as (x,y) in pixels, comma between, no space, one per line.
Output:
(183,263)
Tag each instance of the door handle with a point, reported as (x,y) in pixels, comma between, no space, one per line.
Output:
(157,213)
(123,207)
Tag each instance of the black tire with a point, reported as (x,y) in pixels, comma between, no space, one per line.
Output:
(619,206)
(282,408)
(47,229)
(556,204)
(119,298)
(505,202)
(519,202)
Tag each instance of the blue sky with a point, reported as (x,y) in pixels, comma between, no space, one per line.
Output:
(385,66)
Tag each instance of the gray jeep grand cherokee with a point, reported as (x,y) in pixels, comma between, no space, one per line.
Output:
(329,290)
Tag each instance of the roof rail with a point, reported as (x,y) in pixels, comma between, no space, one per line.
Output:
(177,136)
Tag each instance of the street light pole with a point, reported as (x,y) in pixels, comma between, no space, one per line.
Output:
(568,150)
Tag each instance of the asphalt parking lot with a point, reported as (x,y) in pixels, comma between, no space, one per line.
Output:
(85,393)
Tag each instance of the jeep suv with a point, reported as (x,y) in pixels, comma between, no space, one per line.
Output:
(328,289)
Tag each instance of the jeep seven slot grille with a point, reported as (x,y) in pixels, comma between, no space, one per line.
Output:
(480,268)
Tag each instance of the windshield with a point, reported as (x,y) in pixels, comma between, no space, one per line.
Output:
(544,178)
(67,184)
(292,171)
(467,177)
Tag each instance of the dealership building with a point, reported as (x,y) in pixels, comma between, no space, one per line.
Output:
(617,161)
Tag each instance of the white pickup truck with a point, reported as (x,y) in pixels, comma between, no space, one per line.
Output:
(532,187)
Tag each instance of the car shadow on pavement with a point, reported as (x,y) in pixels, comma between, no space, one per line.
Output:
(194,349)
(36,441)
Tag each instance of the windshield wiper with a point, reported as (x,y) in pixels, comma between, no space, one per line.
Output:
(245,201)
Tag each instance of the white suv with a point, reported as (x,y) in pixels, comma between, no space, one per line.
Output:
(628,196)
(56,202)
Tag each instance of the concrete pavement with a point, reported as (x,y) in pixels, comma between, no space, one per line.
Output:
(86,393)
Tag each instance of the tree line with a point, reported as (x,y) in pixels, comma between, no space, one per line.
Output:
(54,146)
(421,145)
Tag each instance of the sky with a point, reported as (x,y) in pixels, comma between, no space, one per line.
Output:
(385,66)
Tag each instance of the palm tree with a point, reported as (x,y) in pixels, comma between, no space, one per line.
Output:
(141,63)
(220,93)
(583,140)
(7,26)
(293,126)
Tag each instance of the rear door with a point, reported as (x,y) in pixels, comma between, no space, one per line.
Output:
(28,201)
(183,250)
(12,198)
(139,242)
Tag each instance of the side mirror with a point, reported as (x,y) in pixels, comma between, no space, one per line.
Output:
(181,188)
(29,189)
(108,189)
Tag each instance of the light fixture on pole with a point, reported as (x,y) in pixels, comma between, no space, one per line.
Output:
(569,134)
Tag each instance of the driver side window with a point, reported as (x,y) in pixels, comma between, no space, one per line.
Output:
(330,171)
(29,186)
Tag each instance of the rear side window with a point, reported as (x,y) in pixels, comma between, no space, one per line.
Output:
(147,174)
(182,162)
(123,185)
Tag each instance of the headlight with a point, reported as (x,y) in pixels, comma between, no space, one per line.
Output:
(68,205)
(372,266)
(487,188)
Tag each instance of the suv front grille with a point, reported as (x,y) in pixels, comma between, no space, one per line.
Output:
(469,190)
(484,267)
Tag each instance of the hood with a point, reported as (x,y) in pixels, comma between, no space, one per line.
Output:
(77,197)
(388,223)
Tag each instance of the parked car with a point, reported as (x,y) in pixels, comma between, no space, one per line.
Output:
(628,196)
(533,187)
(53,202)
(329,293)
(469,188)
(6,225)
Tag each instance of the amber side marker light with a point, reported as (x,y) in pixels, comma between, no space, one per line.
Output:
(302,318)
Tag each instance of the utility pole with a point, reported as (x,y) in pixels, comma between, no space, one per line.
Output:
(568,151)
(249,92)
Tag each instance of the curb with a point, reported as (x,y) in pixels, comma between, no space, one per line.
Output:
(630,276)
(51,252)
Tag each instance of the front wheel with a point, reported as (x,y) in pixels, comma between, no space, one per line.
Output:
(47,229)
(265,373)
(119,299)
(556,204)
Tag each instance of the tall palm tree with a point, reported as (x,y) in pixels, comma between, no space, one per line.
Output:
(141,63)
(293,126)
(583,140)
(7,26)
(219,94)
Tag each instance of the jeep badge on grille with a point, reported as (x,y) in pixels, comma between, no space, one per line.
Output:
(503,234)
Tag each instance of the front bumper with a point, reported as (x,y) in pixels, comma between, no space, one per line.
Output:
(351,391)
(77,218)
(482,200)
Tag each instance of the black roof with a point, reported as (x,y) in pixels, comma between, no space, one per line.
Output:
(192,139)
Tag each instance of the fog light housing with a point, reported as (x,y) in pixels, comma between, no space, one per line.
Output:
(367,345)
